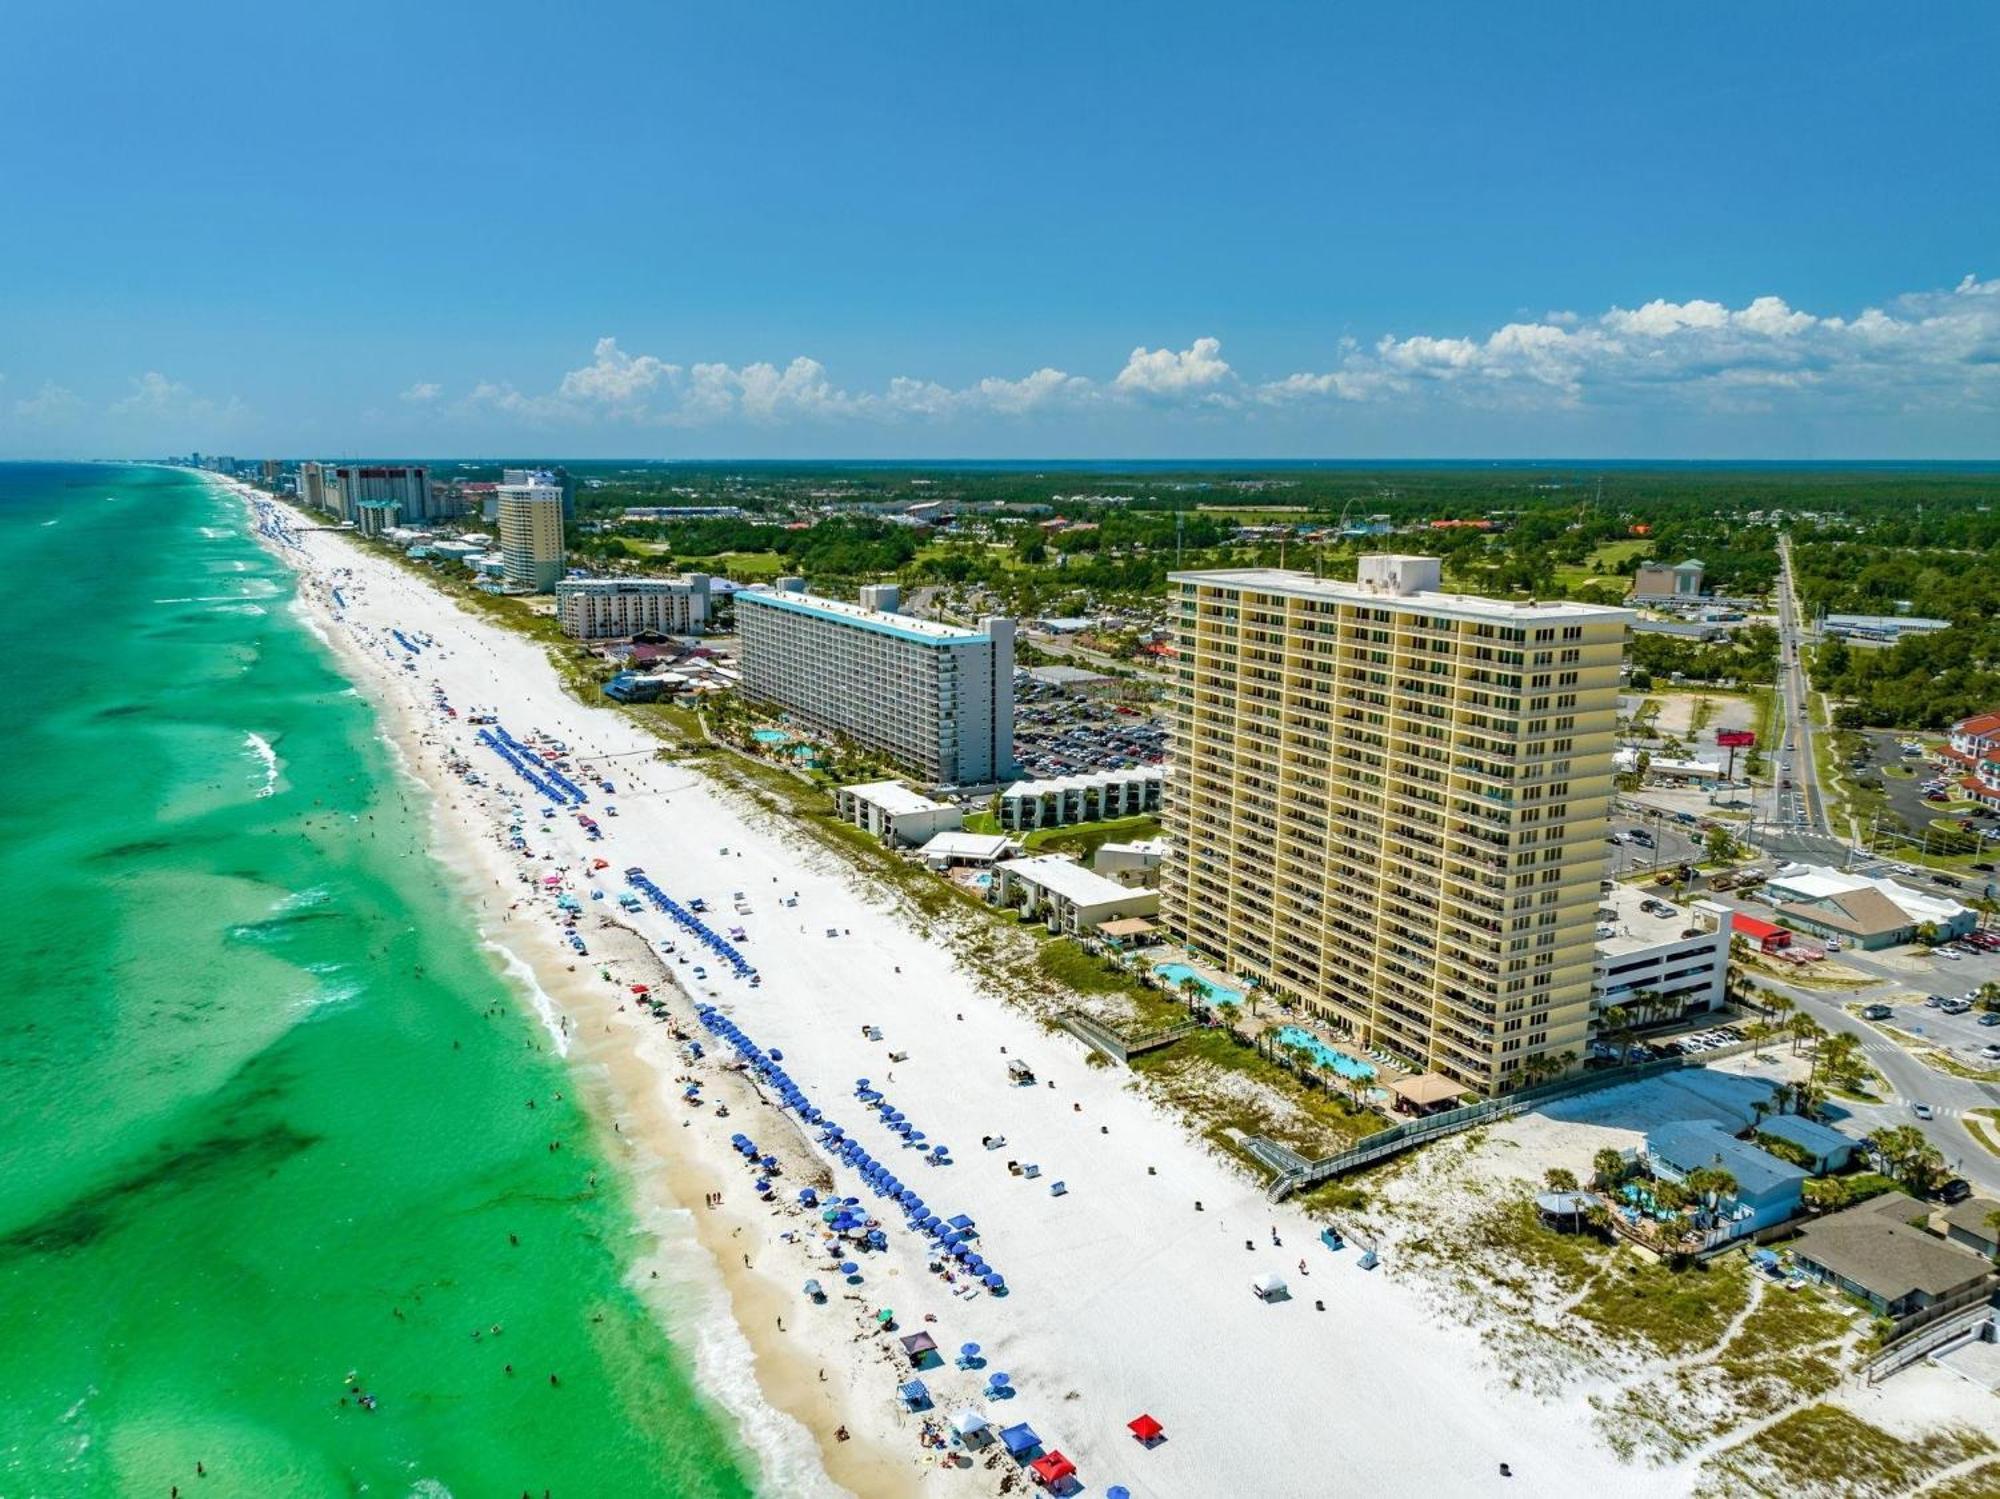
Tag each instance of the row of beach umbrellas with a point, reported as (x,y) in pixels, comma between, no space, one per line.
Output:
(532,773)
(899,1124)
(569,789)
(720,945)
(951,1238)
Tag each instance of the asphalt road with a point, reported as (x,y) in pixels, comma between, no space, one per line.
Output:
(1949,1097)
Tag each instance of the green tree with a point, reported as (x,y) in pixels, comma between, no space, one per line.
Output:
(1608,1168)
(1560,1179)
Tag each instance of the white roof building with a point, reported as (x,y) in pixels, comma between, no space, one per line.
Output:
(1642,952)
(960,847)
(891,810)
(1065,894)
(1854,905)
(1090,797)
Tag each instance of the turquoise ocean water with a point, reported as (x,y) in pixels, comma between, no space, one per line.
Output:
(265,1098)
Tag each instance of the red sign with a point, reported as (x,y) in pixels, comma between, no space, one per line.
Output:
(1735,738)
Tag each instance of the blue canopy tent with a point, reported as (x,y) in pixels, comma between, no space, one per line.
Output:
(915,1396)
(1020,1441)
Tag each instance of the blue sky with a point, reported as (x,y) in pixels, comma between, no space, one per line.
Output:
(1151,230)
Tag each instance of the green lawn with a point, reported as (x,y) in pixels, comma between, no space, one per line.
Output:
(1612,554)
(1084,838)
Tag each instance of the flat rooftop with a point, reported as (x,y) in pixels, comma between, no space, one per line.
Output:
(1086,779)
(894,798)
(1635,929)
(1060,875)
(1453,605)
(929,631)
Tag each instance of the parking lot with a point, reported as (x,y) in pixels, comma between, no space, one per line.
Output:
(1967,1034)
(1638,845)
(1061,733)
(1692,1043)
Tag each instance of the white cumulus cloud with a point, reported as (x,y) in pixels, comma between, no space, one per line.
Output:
(1199,368)
(422,393)
(1939,349)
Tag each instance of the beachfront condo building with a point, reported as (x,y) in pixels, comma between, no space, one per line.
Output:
(312,485)
(1388,805)
(616,608)
(531,535)
(936,699)
(407,486)
(558,476)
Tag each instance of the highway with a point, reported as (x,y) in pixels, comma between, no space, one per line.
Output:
(1797,803)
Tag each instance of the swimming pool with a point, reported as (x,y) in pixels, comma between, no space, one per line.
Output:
(1324,1055)
(1172,975)
(770,736)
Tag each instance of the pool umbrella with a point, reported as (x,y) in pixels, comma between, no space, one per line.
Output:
(1146,1429)
(848,1267)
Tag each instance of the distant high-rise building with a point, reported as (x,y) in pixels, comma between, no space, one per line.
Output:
(936,698)
(408,485)
(558,476)
(1388,804)
(531,533)
(312,485)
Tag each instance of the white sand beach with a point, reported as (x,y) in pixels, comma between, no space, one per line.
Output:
(1122,1298)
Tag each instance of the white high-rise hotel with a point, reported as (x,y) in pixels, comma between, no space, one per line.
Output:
(937,699)
(1389,803)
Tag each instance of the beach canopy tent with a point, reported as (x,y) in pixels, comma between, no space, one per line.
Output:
(1146,1429)
(915,1395)
(1270,1286)
(970,1422)
(1052,1469)
(919,1346)
(1019,1440)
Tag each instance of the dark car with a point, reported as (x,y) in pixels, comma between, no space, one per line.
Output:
(1955,1190)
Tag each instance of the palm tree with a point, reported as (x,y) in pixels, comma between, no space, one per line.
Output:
(1777,1006)
(1712,1184)
(1616,1022)
(1840,1055)
(1759,1033)
(1560,1179)
(1803,1028)
(1607,1168)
